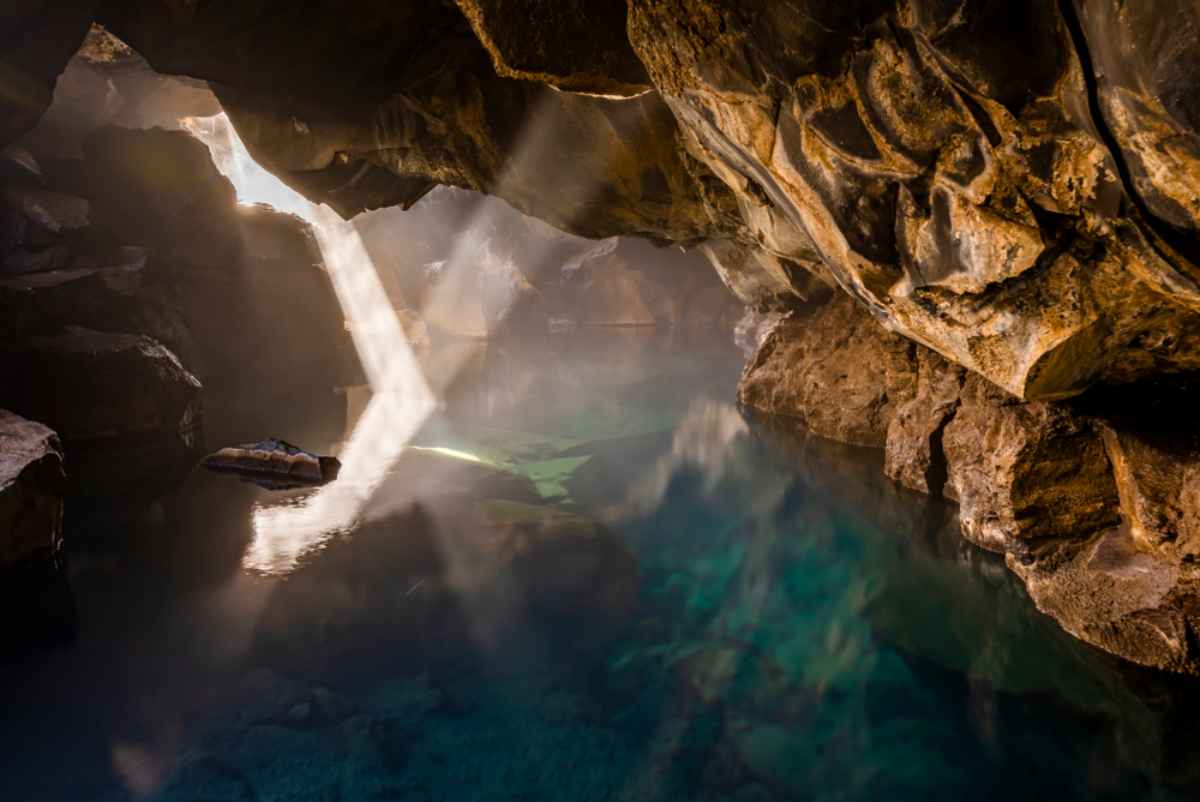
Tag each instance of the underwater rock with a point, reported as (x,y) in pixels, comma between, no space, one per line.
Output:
(115,400)
(836,370)
(32,484)
(275,464)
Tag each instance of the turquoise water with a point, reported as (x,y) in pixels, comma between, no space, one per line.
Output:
(594,580)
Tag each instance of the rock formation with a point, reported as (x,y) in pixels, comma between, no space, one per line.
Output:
(32,484)
(129,414)
(1093,508)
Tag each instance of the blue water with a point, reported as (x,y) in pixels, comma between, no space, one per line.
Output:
(605,583)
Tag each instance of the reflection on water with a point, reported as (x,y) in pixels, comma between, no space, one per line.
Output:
(590,578)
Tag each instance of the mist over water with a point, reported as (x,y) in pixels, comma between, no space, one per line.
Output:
(559,563)
(590,577)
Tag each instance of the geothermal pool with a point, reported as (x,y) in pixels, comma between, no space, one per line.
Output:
(590,578)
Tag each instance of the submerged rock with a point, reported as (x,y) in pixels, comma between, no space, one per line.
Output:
(275,463)
(32,484)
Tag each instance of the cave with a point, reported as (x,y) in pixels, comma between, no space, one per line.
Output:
(630,400)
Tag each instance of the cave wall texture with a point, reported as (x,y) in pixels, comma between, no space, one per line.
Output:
(1009,192)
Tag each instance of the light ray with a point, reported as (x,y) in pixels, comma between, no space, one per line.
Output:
(402,400)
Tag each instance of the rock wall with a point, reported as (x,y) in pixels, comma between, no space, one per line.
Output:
(1010,185)
(1094,503)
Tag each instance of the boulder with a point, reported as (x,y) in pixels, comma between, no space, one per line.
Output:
(122,296)
(160,190)
(275,463)
(127,411)
(32,484)
(834,369)
(1142,605)
(1025,472)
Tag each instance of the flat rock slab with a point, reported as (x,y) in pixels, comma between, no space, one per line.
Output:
(275,464)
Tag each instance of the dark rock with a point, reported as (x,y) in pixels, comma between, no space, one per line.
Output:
(276,463)
(22,260)
(127,411)
(32,484)
(39,38)
(107,83)
(579,45)
(50,217)
(160,190)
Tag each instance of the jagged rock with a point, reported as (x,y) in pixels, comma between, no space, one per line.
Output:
(160,189)
(1138,604)
(1025,472)
(39,38)
(963,195)
(107,83)
(579,45)
(32,483)
(1158,480)
(836,370)
(127,411)
(360,132)
(913,455)
(277,463)
(48,217)
(211,261)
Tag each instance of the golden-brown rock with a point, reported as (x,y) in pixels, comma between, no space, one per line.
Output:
(1025,472)
(834,369)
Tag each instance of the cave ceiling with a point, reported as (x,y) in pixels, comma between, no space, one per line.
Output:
(1014,185)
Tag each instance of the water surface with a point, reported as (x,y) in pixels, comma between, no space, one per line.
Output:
(594,579)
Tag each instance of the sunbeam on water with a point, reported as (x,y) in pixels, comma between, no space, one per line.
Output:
(403,399)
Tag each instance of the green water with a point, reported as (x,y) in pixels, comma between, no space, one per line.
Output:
(595,580)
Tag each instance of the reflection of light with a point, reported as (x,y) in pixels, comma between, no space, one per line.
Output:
(283,534)
(403,396)
(402,399)
(454,452)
